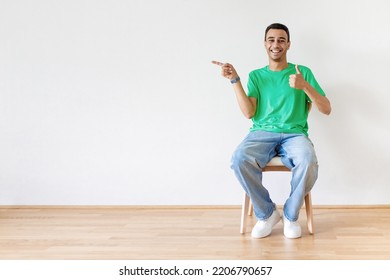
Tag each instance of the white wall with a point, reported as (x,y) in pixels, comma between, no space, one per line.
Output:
(117,103)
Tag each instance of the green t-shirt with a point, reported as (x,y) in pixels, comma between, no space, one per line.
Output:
(280,108)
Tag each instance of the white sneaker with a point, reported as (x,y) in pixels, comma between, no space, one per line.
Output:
(264,228)
(291,229)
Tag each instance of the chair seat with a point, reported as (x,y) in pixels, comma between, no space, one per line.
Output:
(275,164)
(275,161)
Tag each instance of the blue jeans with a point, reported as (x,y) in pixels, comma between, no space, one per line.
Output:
(253,154)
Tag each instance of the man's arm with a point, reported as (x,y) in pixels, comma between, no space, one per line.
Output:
(246,104)
(321,102)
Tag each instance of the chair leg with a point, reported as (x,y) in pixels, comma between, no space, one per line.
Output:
(247,209)
(244,211)
(250,211)
(309,213)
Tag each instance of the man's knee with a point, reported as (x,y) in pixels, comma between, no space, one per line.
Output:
(310,159)
(306,162)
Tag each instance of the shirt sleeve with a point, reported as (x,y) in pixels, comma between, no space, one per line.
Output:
(309,77)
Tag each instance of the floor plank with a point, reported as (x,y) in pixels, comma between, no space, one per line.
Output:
(186,233)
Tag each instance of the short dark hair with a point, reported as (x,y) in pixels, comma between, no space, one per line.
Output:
(277,26)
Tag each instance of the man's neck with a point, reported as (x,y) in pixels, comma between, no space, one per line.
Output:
(277,65)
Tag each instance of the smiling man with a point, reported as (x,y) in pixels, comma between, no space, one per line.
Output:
(278,101)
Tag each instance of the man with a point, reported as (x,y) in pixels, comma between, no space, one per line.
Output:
(278,102)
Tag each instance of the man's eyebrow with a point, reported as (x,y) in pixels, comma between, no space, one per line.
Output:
(272,37)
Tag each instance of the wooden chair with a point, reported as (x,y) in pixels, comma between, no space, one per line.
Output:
(247,209)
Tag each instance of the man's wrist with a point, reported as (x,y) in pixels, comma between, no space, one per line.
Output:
(235,80)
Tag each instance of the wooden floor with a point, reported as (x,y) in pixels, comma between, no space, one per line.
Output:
(128,233)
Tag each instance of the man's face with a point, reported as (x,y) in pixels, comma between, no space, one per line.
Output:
(276,44)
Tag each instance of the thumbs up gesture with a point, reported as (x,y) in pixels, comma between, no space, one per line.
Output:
(296,80)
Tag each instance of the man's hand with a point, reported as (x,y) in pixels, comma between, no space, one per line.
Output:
(321,102)
(296,80)
(227,70)
(247,104)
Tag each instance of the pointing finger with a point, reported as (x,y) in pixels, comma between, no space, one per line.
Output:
(218,63)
